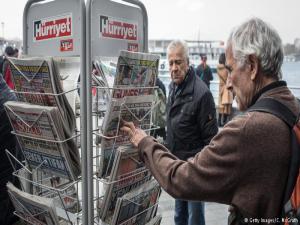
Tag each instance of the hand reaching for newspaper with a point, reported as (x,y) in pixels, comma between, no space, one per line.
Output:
(135,134)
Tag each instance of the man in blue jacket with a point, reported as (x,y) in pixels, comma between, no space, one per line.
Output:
(191,121)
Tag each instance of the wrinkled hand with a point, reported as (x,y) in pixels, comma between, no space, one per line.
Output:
(135,134)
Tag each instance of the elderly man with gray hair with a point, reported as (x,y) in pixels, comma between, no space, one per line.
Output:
(191,122)
(246,164)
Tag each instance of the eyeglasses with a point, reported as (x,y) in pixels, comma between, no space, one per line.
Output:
(177,62)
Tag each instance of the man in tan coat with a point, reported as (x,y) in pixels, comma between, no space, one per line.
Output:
(246,164)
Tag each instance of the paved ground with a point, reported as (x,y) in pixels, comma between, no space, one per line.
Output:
(215,214)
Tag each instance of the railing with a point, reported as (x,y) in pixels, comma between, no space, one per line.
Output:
(214,87)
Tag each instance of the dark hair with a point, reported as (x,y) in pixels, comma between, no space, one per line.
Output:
(203,57)
(9,51)
(222,58)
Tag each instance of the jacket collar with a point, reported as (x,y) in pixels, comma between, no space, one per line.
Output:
(269,87)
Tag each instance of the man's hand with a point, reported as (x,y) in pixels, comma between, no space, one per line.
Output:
(135,134)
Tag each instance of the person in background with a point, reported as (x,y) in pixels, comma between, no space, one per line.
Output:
(191,122)
(204,71)
(16,55)
(237,167)
(7,141)
(6,71)
(225,95)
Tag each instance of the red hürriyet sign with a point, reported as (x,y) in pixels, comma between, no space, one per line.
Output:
(52,27)
(117,28)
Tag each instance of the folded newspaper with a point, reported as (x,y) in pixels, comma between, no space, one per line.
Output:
(37,81)
(138,206)
(128,173)
(136,69)
(44,139)
(69,72)
(136,109)
(132,100)
(101,91)
(155,221)
(31,208)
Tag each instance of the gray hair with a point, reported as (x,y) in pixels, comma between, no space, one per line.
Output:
(255,37)
(179,44)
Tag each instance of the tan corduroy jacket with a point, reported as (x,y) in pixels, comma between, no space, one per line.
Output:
(245,164)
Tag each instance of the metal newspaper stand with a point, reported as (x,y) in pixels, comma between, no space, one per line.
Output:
(71,28)
(57,29)
(104,43)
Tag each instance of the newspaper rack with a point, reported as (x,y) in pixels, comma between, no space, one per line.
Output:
(63,212)
(65,169)
(122,105)
(140,119)
(79,43)
(67,202)
(131,218)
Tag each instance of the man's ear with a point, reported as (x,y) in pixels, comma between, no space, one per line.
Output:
(253,62)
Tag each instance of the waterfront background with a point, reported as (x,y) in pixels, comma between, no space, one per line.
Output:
(290,73)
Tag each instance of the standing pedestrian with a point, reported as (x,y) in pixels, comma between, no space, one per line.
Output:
(191,122)
(225,95)
(204,71)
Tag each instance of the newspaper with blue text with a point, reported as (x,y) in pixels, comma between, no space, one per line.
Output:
(44,139)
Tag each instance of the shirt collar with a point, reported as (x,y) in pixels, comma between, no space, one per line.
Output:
(273,85)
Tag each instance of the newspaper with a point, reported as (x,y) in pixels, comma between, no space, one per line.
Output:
(132,100)
(132,108)
(69,72)
(101,91)
(37,81)
(33,209)
(138,206)
(128,173)
(136,69)
(155,221)
(43,138)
